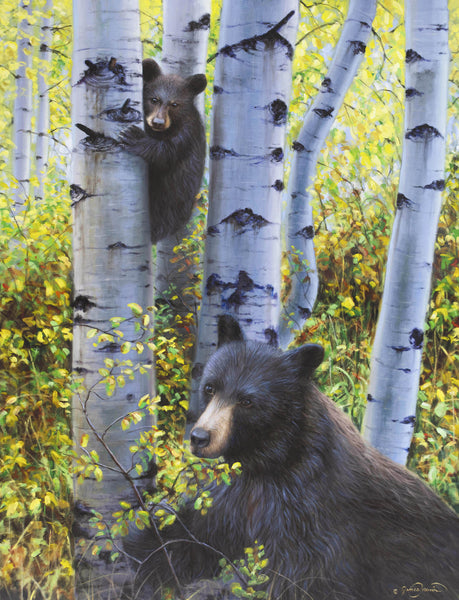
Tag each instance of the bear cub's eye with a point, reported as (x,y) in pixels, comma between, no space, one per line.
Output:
(245,401)
(173,104)
(154,100)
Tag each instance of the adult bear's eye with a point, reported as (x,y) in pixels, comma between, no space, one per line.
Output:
(154,100)
(245,401)
(209,389)
(173,104)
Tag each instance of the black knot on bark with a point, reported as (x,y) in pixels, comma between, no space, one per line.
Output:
(277,155)
(358,47)
(416,338)
(83,303)
(278,111)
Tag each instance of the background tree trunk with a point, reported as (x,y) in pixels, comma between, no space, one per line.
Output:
(250,104)
(41,146)
(186,32)
(112,266)
(22,115)
(318,121)
(397,349)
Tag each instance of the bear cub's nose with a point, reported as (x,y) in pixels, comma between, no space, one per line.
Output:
(200,438)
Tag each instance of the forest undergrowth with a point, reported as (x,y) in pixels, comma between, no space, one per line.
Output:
(36,385)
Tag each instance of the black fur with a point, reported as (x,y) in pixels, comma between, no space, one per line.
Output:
(173,144)
(338,520)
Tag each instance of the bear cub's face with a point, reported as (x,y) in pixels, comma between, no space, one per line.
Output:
(251,392)
(167,99)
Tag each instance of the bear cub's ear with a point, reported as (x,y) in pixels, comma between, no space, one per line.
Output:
(306,358)
(150,69)
(228,330)
(196,83)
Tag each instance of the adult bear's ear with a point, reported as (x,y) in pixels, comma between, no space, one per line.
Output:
(306,358)
(196,83)
(228,330)
(150,69)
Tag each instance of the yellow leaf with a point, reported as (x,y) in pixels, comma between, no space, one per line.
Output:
(61,283)
(12,508)
(348,303)
(50,498)
(48,289)
(136,308)
(35,505)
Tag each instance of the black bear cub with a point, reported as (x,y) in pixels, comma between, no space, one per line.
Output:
(173,144)
(338,520)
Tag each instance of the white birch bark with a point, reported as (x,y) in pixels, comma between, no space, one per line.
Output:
(250,103)
(397,349)
(22,113)
(112,256)
(318,121)
(186,32)
(41,146)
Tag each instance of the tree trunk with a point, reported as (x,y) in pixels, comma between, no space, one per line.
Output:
(186,32)
(250,104)
(112,267)
(22,115)
(41,147)
(318,121)
(397,349)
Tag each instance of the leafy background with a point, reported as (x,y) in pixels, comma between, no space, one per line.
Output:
(355,191)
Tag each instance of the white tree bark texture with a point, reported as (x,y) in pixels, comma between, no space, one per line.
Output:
(318,121)
(42,143)
(186,32)
(112,261)
(250,104)
(399,340)
(22,114)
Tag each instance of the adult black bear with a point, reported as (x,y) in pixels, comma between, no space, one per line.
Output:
(173,144)
(337,519)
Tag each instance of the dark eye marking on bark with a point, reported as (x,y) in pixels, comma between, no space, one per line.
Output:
(202,23)
(270,39)
(422,133)
(83,303)
(278,111)
(358,47)
(245,218)
(412,56)
(416,338)
(241,286)
(412,92)
(96,141)
(325,112)
(437,185)
(271,337)
(307,232)
(218,153)
(326,85)
(77,194)
(123,114)
(403,201)
(104,73)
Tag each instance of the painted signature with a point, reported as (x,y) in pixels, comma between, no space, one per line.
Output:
(417,589)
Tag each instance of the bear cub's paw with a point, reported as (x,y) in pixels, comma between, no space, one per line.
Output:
(130,136)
